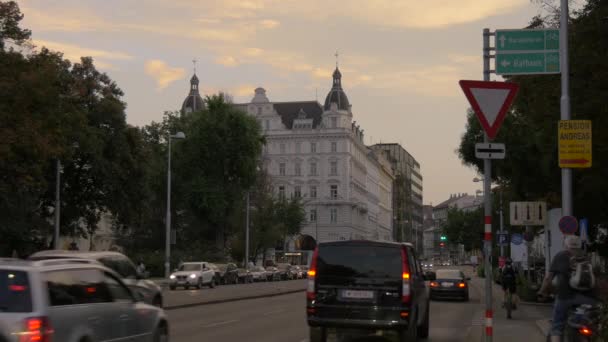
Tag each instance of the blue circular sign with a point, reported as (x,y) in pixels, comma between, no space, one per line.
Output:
(517,239)
(568,225)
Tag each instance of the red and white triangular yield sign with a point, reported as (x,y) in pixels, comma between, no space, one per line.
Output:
(490,101)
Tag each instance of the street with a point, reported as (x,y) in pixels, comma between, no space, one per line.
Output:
(283,319)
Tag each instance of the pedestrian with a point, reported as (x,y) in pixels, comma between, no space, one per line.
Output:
(508,280)
(141,268)
(559,277)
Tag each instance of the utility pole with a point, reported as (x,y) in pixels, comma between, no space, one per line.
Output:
(565,102)
(247,234)
(57,204)
(502,247)
(487,168)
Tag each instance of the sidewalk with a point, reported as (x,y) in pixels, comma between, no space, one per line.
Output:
(529,322)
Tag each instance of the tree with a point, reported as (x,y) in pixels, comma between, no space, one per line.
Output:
(10,16)
(464,227)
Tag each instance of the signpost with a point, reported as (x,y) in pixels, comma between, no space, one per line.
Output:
(574,138)
(503,238)
(528,213)
(528,51)
(490,151)
(568,225)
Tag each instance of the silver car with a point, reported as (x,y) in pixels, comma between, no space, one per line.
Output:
(150,292)
(73,300)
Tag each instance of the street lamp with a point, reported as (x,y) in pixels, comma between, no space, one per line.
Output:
(178,135)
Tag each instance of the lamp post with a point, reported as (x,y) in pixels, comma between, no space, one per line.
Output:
(57,204)
(178,135)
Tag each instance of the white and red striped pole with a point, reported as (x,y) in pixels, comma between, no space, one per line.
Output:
(487,198)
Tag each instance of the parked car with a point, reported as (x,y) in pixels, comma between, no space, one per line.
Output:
(450,284)
(197,274)
(119,263)
(367,286)
(296,272)
(259,273)
(73,300)
(244,276)
(273,273)
(284,271)
(228,273)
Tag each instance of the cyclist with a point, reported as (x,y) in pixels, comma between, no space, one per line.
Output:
(509,282)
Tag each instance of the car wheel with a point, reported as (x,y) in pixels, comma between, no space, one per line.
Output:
(423,330)
(171,287)
(212,283)
(161,334)
(317,334)
(186,287)
(199,284)
(410,334)
(466,297)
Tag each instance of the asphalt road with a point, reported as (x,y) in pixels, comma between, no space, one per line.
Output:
(283,319)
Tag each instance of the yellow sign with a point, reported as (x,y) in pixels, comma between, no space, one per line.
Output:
(574,138)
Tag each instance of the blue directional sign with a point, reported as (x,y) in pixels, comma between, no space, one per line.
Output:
(517,239)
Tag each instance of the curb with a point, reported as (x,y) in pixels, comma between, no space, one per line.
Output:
(228,300)
(544,325)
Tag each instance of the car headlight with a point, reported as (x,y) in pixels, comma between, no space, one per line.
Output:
(193,276)
(172,276)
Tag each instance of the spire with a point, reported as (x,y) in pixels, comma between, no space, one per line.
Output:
(193,101)
(336,54)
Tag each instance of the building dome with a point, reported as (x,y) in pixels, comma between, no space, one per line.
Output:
(337,94)
(193,102)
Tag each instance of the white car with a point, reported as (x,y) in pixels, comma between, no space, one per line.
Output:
(196,274)
(259,273)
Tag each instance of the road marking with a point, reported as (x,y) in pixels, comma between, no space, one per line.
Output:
(273,312)
(220,323)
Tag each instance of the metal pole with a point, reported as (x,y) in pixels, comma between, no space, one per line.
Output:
(487,168)
(565,102)
(57,204)
(502,247)
(247,234)
(168,215)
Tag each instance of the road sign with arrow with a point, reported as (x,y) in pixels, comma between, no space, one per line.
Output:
(528,51)
(490,101)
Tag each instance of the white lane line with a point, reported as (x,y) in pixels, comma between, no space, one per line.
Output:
(220,323)
(273,312)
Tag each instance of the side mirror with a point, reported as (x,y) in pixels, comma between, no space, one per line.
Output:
(468,278)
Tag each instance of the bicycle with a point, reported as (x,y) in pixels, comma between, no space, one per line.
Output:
(509,303)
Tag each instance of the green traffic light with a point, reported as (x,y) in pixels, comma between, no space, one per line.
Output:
(443,238)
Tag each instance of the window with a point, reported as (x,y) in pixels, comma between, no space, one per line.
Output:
(313,191)
(298,147)
(333,215)
(15,294)
(313,215)
(281,191)
(297,192)
(79,286)
(333,192)
(298,169)
(118,291)
(120,265)
(334,122)
(259,110)
(333,168)
(267,124)
(313,147)
(334,146)
(282,169)
(313,168)
(282,148)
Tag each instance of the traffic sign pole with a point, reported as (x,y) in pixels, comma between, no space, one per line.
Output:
(487,175)
(565,103)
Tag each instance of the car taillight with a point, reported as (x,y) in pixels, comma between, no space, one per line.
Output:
(405,288)
(312,273)
(434,284)
(585,331)
(37,329)
(462,285)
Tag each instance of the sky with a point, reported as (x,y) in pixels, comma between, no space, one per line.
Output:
(401,60)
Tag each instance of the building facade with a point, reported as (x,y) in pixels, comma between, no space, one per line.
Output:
(317,153)
(407,194)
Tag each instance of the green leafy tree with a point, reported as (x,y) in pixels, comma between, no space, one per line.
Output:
(10,16)
(464,227)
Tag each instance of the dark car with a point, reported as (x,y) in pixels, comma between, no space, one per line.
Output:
(449,284)
(285,271)
(147,290)
(273,273)
(227,273)
(244,276)
(368,286)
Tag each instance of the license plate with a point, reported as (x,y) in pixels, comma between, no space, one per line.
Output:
(355,294)
(447,284)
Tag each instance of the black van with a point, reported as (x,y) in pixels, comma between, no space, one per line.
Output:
(367,286)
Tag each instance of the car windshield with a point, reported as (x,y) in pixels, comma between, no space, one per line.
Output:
(190,267)
(358,261)
(15,295)
(448,274)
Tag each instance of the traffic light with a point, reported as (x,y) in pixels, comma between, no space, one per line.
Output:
(443,238)
(442,244)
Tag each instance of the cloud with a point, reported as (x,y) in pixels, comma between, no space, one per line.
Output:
(228,61)
(72,52)
(321,73)
(243,90)
(269,24)
(163,73)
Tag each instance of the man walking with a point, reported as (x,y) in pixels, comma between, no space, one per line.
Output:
(566,297)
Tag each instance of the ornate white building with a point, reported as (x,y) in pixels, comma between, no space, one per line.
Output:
(317,152)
